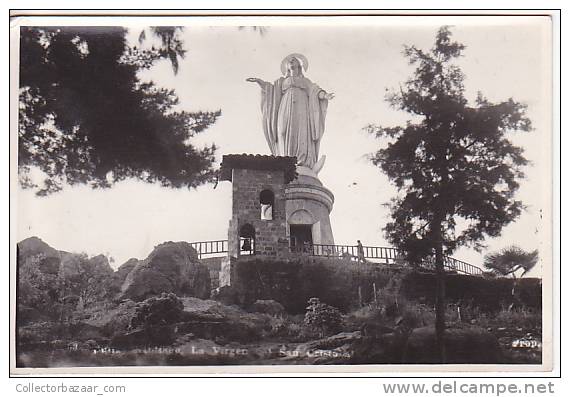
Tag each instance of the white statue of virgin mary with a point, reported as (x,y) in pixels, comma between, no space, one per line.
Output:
(294,110)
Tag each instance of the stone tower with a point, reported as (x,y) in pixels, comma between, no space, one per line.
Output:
(259,217)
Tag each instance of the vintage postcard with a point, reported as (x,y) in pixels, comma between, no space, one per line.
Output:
(360,192)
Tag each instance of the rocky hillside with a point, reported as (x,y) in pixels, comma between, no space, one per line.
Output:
(53,283)
(75,310)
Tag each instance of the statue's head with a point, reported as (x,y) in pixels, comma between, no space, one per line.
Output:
(294,65)
(292,62)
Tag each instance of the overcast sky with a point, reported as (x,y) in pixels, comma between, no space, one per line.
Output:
(356,59)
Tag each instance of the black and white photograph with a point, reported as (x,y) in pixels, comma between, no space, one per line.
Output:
(282,193)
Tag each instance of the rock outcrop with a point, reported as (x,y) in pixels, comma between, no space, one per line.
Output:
(122,272)
(170,267)
(77,264)
(53,283)
(35,252)
(34,246)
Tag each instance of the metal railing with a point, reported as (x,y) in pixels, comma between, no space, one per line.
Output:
(204,248)
(455,265)
(212,248)
(387,255)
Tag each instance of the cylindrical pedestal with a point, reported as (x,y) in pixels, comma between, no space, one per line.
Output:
(307,207)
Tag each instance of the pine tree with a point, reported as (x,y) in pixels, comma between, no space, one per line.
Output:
(85,117)
(453,164)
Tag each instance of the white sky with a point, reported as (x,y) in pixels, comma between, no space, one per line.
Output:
(505,57)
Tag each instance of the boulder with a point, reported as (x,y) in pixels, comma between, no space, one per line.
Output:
(463,345)
(152,323)
(122,272)
(227,295)
(210,320)
(170,267)
(267,306)
(101,262)
(163,310)
(112,320)
(76,264)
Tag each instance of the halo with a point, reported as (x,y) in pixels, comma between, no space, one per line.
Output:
(300,57)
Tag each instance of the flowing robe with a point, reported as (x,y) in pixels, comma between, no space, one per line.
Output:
(293,118)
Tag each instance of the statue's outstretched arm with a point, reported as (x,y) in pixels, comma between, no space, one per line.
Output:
(256,80)
(326,95)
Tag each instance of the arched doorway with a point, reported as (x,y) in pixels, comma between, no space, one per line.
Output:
(301,237)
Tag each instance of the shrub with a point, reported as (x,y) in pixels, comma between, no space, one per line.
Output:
(524,317)
(323,318)
(388,312)
(415,315)
(521,317)
(284,326)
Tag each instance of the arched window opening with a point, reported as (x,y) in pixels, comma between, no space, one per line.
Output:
(266,198)
(247,239)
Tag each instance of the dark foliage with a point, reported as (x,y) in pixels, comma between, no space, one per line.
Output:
(39,289)
(85,117)
(487,295)
(510,260)
(323,318)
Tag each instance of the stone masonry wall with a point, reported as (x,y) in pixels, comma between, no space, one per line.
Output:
(270,235)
